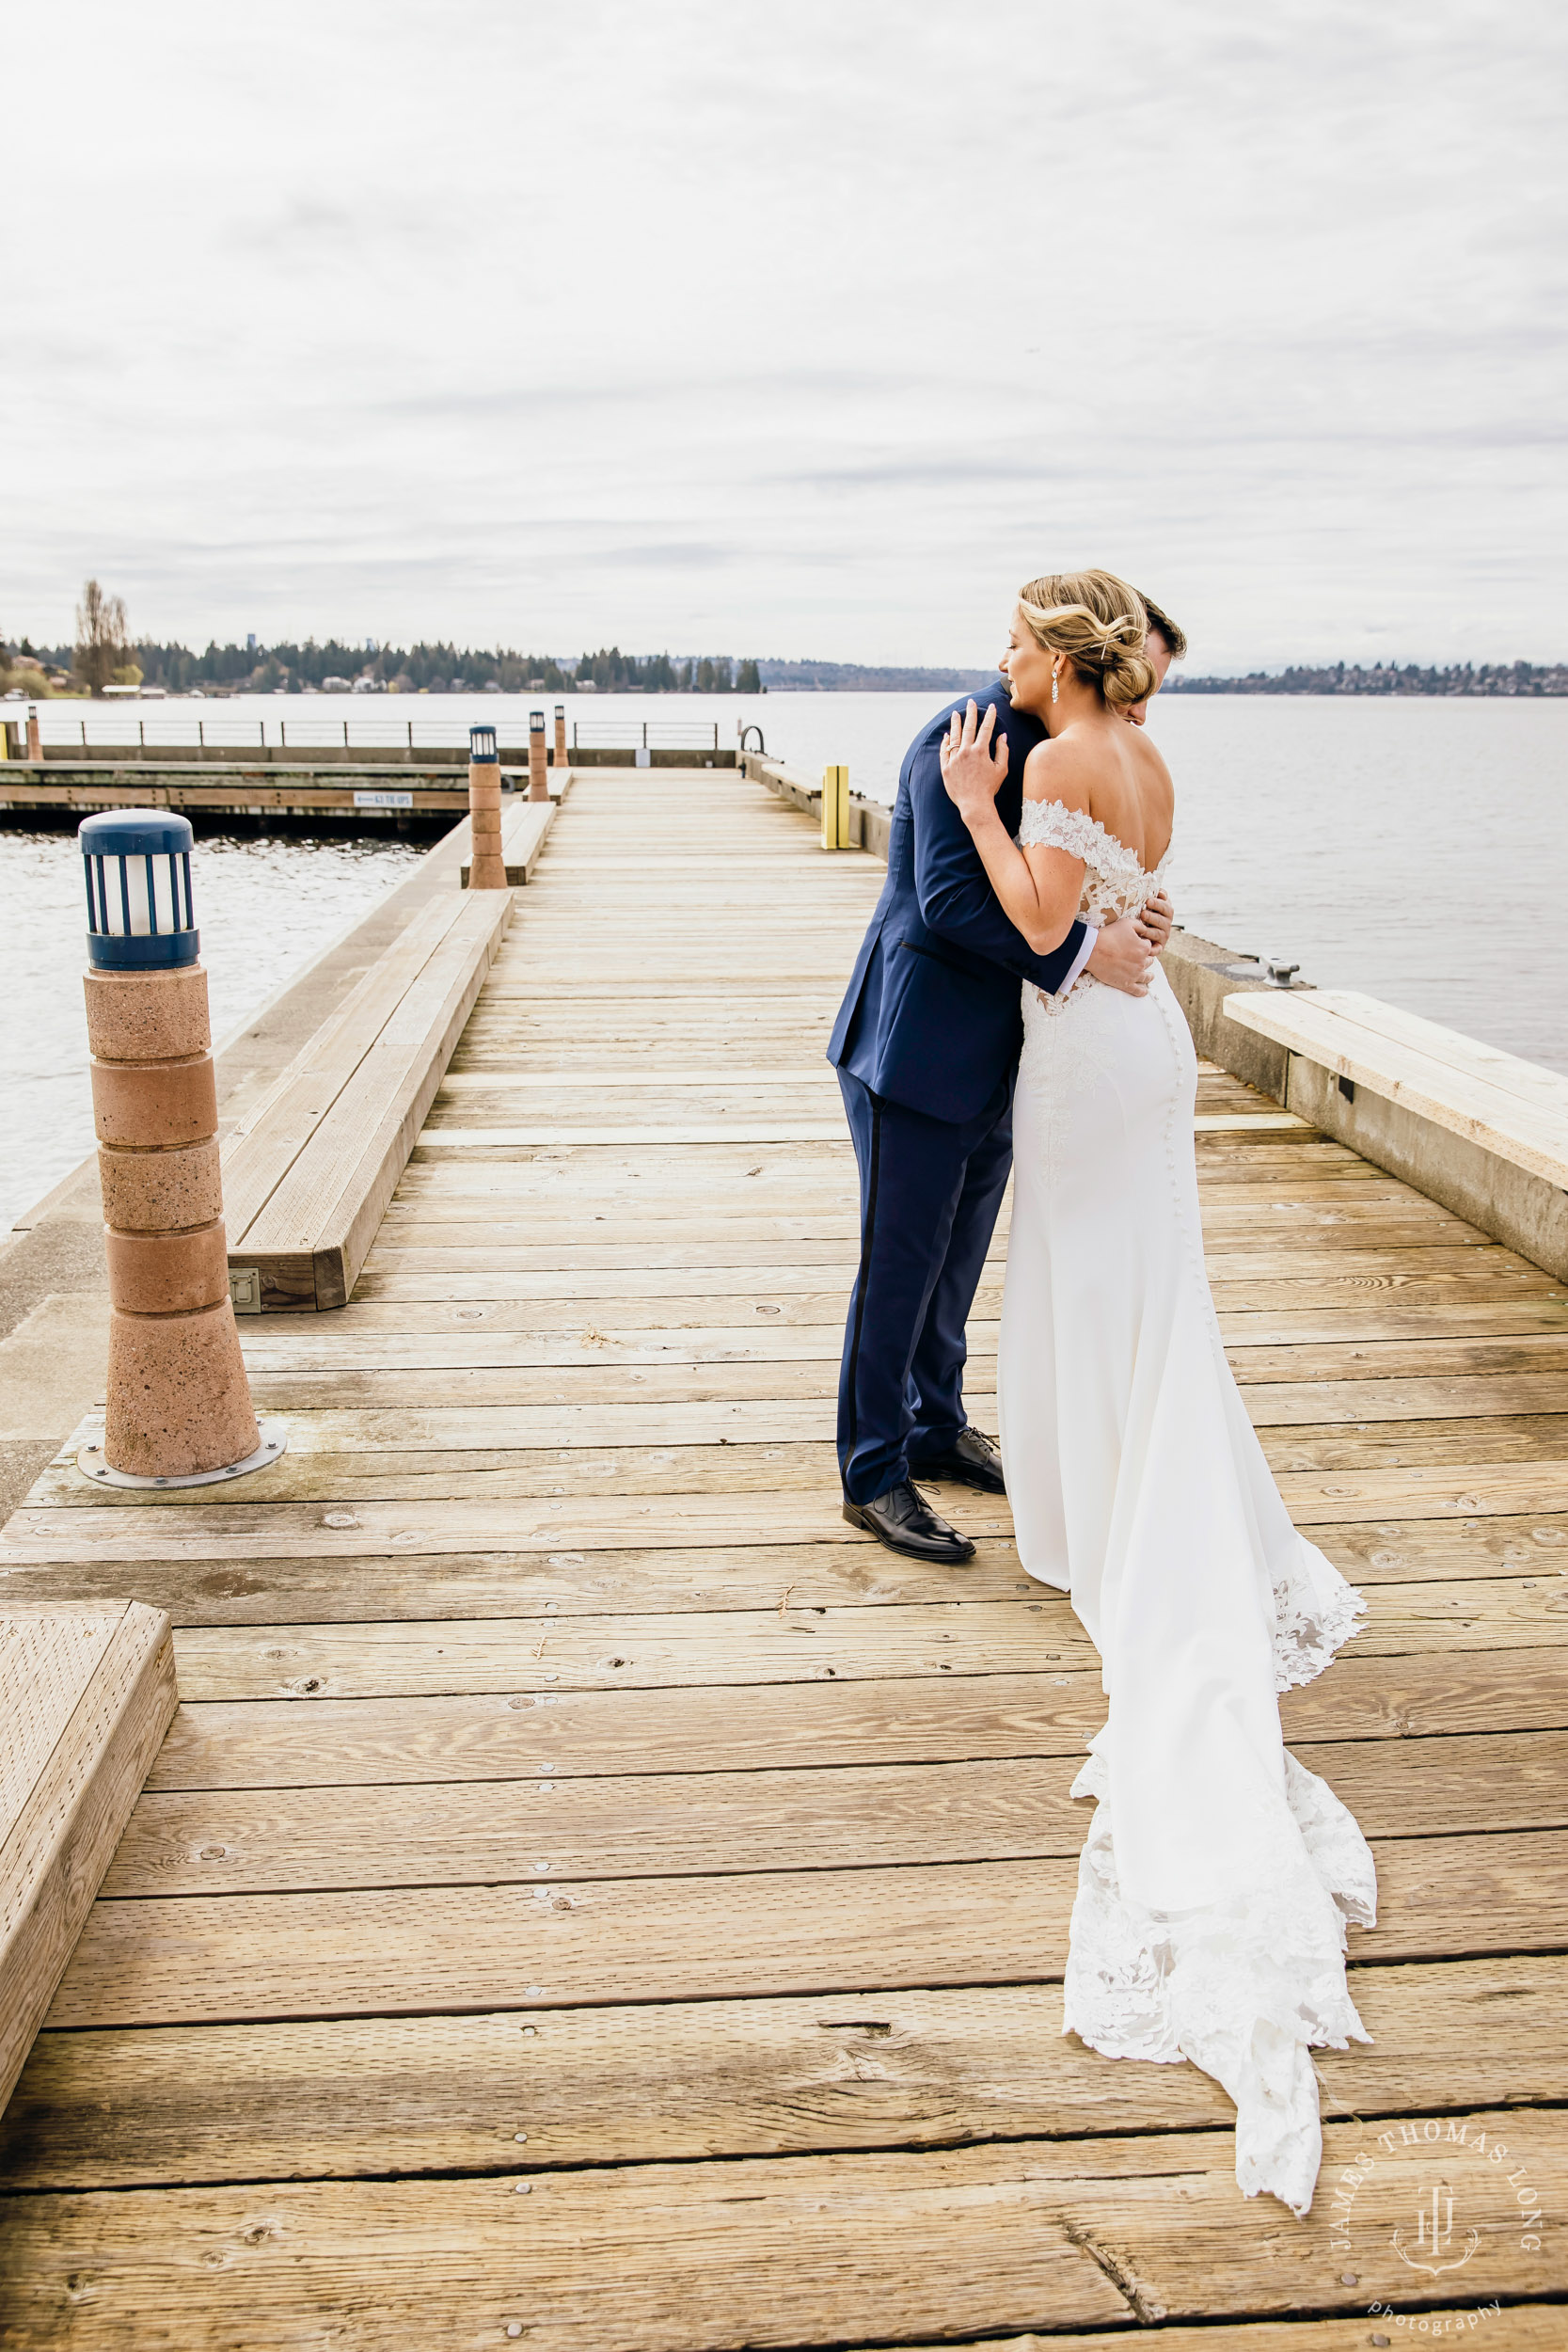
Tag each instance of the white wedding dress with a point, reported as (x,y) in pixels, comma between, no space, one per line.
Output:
(1218,1875)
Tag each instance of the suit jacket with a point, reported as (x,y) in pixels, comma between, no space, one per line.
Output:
(931,1016)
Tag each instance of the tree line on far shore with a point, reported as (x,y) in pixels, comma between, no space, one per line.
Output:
(105,654)
(1484,677)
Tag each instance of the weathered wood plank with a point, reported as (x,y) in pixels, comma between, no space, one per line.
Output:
(462,1218)
(690,2258)
(807,1817)
(1524,1324)
(808,1514)
(263,1592)
(740,1647)
(1516,2327)
(688,2080)
(249,1744)
(385,1951)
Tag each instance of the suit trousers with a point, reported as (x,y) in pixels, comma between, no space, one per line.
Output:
(930,1190)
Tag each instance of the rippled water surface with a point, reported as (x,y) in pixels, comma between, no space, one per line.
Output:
(1415,849)
(265,910)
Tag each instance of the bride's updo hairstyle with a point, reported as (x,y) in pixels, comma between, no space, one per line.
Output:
(1100,624)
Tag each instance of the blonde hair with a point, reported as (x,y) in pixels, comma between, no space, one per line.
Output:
(1100,624)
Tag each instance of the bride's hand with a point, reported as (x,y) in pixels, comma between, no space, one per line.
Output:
(1155,918)
(969,769)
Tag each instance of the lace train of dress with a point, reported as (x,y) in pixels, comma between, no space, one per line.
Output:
(1218,1876)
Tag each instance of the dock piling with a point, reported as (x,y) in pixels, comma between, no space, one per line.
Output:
(34,748)
(538,781)
(176,1402)
(487,867)
(560,735)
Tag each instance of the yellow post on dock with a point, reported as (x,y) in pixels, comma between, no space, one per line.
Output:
(835,808)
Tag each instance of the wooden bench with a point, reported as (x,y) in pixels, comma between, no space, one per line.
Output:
(524,825)
(1513,1109)
(308,1171)
(86,1694)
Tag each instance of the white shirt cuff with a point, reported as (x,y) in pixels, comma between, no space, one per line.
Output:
(1091,934)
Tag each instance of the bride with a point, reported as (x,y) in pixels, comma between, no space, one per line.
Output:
(1218,1874)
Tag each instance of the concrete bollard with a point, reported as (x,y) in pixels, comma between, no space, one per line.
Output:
(538,775)
(177,1407)
(34,747)
(561,736)
(835,808)
(486,864)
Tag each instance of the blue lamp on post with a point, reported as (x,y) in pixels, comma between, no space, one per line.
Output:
(140,912)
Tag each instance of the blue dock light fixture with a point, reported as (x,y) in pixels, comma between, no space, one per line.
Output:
(140,914)
(486,866)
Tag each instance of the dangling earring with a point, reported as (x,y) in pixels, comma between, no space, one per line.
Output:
(1056,687)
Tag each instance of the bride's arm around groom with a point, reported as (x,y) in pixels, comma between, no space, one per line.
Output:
(931,1017)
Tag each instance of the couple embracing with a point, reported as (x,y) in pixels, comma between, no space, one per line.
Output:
(1007,1011)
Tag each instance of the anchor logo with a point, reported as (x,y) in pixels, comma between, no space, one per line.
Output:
(1434,2235)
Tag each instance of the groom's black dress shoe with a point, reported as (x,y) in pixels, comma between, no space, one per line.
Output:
(972,1461)
(905,1521)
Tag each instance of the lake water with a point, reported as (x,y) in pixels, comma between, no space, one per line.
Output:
(1415,850)
(265,910)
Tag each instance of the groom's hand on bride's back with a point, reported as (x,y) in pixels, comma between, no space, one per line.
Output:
(1122,957)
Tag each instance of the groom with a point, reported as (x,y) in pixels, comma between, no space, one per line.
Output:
(926,1045)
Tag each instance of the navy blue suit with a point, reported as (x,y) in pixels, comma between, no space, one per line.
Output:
(926,1045)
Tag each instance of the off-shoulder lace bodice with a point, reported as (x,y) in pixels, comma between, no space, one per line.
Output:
(1115,880)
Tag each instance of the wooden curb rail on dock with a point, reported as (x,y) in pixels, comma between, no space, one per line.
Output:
(308,1174)
(86,1695)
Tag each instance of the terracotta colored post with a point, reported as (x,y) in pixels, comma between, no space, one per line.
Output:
(538,775)
(486,864)
(561,736)
(178,1404)
(34,748)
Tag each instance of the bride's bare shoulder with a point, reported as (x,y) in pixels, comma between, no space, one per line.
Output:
(1057,770)
(1155,787)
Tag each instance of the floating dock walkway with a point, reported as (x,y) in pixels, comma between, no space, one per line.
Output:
(590,1896)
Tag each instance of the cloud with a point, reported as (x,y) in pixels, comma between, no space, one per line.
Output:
(638,315)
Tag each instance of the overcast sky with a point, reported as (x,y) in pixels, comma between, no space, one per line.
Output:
(806,329)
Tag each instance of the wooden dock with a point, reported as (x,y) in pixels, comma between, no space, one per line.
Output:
(592,1897)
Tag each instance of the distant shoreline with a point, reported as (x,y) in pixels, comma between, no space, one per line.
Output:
(657,676)
(1507,681)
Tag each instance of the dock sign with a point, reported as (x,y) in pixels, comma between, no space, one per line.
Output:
(384,799)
